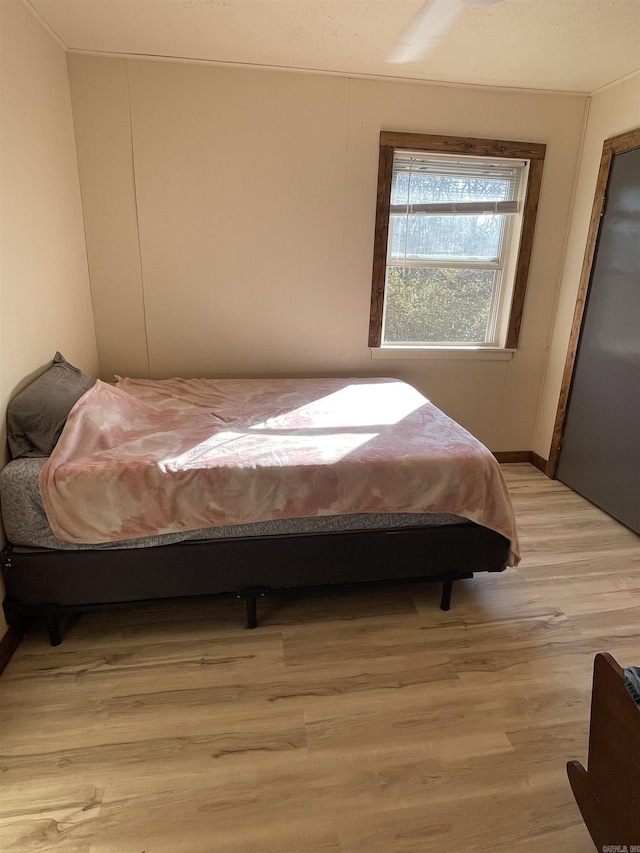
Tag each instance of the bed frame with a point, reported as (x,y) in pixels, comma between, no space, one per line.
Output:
(608,793)
(47,583)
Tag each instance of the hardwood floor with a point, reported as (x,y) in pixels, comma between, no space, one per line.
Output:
(369,722)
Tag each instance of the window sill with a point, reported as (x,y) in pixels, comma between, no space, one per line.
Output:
(480,353)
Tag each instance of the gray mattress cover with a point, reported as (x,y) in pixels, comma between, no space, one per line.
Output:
(25,521)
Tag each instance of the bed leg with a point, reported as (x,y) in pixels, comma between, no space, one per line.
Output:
(252,611)
(250,596)
(17,616)
(447,587)
(53,626)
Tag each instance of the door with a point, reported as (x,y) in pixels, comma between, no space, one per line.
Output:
(600,453)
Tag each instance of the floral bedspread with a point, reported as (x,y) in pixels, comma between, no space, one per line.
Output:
(146,457)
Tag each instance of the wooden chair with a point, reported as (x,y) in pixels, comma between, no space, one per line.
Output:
(608,792)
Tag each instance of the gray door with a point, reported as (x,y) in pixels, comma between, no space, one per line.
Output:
(600,455)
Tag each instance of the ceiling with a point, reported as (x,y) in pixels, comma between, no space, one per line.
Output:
(557,45)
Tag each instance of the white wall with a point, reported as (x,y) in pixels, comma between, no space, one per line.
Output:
(45,303)
(613,110)
(229,217)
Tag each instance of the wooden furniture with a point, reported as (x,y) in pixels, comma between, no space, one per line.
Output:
(608,791)
(45,583)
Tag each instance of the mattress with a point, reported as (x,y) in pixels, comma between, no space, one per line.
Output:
(25,521)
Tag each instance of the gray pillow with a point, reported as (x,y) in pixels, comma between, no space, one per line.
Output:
(36,416)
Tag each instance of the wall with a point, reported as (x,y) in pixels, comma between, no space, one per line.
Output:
(45,301)
(613,110)
(229,218)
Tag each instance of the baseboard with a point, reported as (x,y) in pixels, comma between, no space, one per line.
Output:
(508,456)
(8,644)
(540,462)
(511,456)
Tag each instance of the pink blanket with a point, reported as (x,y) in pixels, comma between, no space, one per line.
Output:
(148,457)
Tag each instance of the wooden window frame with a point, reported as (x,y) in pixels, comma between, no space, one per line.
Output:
(391,141)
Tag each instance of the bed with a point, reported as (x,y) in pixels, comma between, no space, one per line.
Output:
(350,480)
(608,792)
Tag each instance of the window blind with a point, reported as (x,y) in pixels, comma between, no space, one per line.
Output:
(438,184)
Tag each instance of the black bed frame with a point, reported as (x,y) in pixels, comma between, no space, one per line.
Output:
(47,583)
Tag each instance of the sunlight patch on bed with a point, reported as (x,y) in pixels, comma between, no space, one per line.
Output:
(357,405)
(240,449)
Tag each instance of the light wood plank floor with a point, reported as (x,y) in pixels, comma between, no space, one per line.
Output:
(370,722)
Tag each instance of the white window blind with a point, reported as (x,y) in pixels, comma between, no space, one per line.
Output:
(439,184)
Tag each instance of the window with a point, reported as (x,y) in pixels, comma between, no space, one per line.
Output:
(454,229)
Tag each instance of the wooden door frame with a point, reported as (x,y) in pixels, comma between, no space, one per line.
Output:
(614,145)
